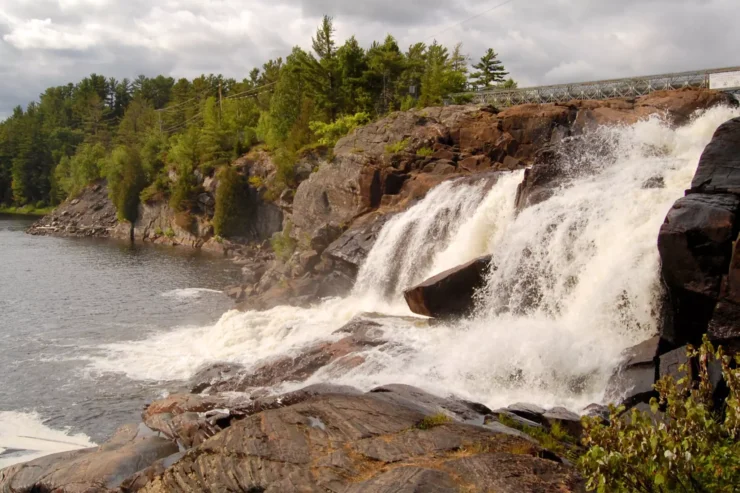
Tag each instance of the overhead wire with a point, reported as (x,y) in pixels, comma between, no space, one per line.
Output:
(470,18)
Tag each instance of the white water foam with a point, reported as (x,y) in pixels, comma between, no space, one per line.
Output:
(25,437)
(575,282)
(189,293)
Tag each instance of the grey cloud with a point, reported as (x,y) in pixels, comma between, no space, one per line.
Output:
(540,41)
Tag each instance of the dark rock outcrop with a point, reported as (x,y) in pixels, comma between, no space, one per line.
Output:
(696,243)
(451,293)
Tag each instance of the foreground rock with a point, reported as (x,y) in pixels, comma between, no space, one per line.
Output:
(361,443)
(451,293)
(90,470)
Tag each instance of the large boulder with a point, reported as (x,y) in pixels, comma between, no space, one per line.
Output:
(450,293)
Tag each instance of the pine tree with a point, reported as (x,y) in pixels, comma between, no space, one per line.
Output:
(490,71)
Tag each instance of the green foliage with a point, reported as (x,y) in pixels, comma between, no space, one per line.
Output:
(690,446)
(425,152)
(433,421)
(490,71)
(169,233)
(54,147)
(73,174)
(283,244)
(397,147)
(256,182)
(230,202)
(330,133)
(126,180)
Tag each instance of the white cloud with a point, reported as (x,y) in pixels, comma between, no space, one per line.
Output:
(44,35)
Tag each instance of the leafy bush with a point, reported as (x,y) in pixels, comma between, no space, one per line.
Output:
(255,181)
(87,165)
(424,152)
(330,133)
(692,446)
(283,244)
(169,233)
(397,147)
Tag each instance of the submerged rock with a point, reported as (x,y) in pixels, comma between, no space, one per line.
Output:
(451,293)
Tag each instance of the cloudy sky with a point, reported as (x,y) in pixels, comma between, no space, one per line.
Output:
(52,42)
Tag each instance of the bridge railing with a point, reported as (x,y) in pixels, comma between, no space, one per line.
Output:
(604,89)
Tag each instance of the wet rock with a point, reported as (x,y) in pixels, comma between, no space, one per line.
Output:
(654,182)
(451,293)
(355,443)
(360,334)
(90,470)
(633,381)
(567,420)
(719,167)
(351,249)
(695,245)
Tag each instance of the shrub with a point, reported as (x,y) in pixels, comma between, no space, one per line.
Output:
(330,133)
(283,244)
(256,182)
(424,152)
(433,421)
(692,446)
(169,233)
(397,147)
(158,231)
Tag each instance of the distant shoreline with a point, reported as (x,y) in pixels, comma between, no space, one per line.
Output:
(26,211)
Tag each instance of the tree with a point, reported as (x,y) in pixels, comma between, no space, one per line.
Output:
(321,72)
(125,181)
(490,71)
(231,202)
(352,60)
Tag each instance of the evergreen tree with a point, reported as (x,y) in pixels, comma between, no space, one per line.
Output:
(490,71)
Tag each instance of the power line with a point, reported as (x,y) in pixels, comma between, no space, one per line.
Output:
(469,19)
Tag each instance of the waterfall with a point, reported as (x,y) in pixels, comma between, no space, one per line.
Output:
(574,281)
(454,223)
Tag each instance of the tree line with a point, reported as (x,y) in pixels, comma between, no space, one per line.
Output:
(150,137)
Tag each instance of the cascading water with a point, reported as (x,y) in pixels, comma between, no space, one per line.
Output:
(574,282)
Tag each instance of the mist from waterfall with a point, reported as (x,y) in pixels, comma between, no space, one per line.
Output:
(574,281)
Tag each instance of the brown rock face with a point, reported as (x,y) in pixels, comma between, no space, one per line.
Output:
(362,443)
(451,293)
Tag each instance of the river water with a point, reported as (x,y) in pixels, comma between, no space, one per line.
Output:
(60,301)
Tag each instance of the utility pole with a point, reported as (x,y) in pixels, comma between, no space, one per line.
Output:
(220,102)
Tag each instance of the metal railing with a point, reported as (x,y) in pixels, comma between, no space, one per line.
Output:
(603,89)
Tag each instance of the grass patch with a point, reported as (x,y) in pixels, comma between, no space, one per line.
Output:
(425,152)
(169,233)
(433,421)
(397,147)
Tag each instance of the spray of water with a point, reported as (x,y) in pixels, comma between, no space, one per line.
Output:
(574,282)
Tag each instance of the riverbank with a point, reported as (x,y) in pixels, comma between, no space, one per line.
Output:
(26,211)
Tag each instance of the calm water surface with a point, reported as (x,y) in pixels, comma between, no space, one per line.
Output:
(61,299)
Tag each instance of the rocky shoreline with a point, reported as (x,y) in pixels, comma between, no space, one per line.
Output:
(229,434)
